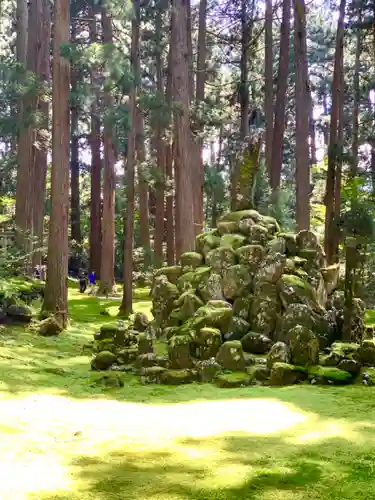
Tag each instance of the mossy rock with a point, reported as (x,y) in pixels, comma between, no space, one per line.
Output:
(257,234)
(186,282)
(294,290)
(290,242)
(264,316)
(270,269)
(19,313)
(276,245)
(304,346)
(145,344)
(221,258)
(279,353)
(171,272)
(237,216)
(125,338)
(103,360)
(209,341)
(230,356)
(108,331)
(259,374)
(232,240)
(216,317)
(210,288)
(207,241)
(107,380)
(331,276)
(240,327)
(105,345)
(140,321)
(366,353)
(251,256)
(286,374)
(329,375)
(191,259)
(163,294)
(236,282)
(127,355)
(207,369)
(350,365)
(348,350)
(187,304)
(271,224)
(50,327)
(179,352)
(178,377)
(256,343)
(232,380)
(227,227)
(152,375)
(241,307)
(145,361)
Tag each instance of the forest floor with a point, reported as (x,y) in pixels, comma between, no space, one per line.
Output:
(62,439)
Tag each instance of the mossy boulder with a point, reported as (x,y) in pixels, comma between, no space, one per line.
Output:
(127,355)
(105,345)
(236,282)
(329,375)
(221,258)
(210,288)
(239,328)
(205,242)
(171,272)
(290,243)
(207,369)
(259,374)
(276,245)
(107,380)
(140,321)
(186,305)
(264,316)
(191,259)
(241,307)
(350,365)
(250,256)
(271,268)
(304,346)
(145,361)
(230,356)
(163,294)
(239,215)
(103,360)
(125,338)
(366,353)
(256,233)
(107,331)
(232,240)
(279,353)
(50,327)
(307,239)
(216,315)
(349,350)
(145,344)
(294,290)
(227,227)
(178,377)
(152,375)
(331,276)
(179,352)
(209,342)
(286,374)
(256,343)
(232,380)
(19,313)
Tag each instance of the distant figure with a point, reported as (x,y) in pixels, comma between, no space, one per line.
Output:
(43,273)
(37,272)
(92,278)
(82,282)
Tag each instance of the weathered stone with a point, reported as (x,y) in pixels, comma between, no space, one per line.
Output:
(241,307)
(232,240)
(103,360)
(209,341)
(172,273)
(239,328)
(286,374)
(276,245)
(294,290)
(227,227)
(236,282)
(256,343)
(350,365)
(127,355)
(163,294)
(271,269)
(145,361)
(179,352)
(207,369)
(250,256)
(279,353)
(304,346)
(20,313)
(145,344)
(187,304)
(140,321)
(207,241)
(210,288)
(178,377)
(264,315)
(221,258)
(329,375)
(259,374)
(230,356)
(366,353)
(191,259)
(331,276)
(307,240)
(152,375)
(290,242)
(257,234)
(232,380)
(50,327)
(215,315)
(107,380)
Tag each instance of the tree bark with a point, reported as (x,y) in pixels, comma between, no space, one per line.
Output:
(282,82)
(95,239)
(144,217)
(185,230)
(302,117)
(126,307)
(268,91)
(107,278)
(56,292)
(329,238)
(356,88)
(75,218)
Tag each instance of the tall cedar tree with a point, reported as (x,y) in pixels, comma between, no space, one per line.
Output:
(169,202)
(268,74)
(302,117)
(56,292)
(126,307)
(107,278)
(357,94)
(185,230)
(75,217)
(282,83)
(329,234)
(96,166)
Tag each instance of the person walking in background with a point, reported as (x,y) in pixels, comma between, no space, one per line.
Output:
(82,282)
(92,282)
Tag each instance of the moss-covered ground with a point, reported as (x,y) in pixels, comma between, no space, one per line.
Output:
(61,439)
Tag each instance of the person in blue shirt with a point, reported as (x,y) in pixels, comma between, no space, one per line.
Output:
(92,278)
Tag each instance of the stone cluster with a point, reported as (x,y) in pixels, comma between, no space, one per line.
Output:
(251,305)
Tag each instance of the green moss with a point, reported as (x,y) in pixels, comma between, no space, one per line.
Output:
(171,272)
(294,289)
(191,259)
(178,377)
(286,374)
(227,227)
(232,240)
(232,380)
(329,374)
(207,241)
(241,214)
(345,349)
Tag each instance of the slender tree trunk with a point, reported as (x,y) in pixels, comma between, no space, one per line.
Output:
(355,139)
(302,118)
(190,50)
(329,235)
(41,153)
(244,83)
(160,153)
(200,90)
(127,299)
(107,279)
(143,191)
(56,292)
(268,94)
(95,239)
(282,82)
(75,217)
(169,202)
(313,159)
(185,230)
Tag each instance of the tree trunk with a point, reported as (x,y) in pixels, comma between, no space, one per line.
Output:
(75,218)
(200,90)
(95,239)
(282,83)
(189,49)
(143,191)
(302,117)
(107,279)
(169,202)
(329,234)
(356,88)
(56,292)
(244,83)
(127,299)
(185,230)
(268,94)
(41,154)
(160,153)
